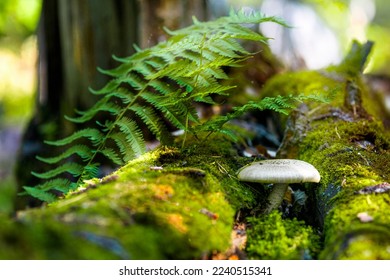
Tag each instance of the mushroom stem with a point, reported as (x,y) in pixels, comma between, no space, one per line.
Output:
(275,198)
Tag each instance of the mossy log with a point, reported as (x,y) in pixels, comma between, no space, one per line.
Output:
(167,204)
(349,145)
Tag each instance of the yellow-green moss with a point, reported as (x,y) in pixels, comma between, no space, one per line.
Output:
(304,82)
(47,240)
(350,156)
(167,204)
(350,152)
(336,147)
(272,237)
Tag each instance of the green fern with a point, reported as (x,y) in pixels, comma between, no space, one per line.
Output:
(279,104)
(162,81)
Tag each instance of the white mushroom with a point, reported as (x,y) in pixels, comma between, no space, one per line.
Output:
(279,172)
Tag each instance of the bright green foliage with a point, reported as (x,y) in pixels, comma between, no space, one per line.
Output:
(18,17)
(279,104)
(157,84)
(272,237)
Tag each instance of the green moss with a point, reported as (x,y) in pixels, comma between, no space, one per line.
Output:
(42,240)
(320,83)
(344,218)
(272,237)
(336,148)
(220,161)
(167,204)
(350,151)
(350,156)
(364,242)
(304,82)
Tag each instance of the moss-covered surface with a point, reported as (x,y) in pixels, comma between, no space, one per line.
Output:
(272,237)
(346,141)
(164,205)
(167,204)
(49,240)
(351,157)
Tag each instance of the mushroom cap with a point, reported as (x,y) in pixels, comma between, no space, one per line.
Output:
(276,171)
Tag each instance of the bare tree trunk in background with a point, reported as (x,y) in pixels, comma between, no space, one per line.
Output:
(74,38)
(90,33)
(173,14)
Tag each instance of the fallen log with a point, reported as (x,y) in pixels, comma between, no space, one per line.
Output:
(164,205)
(347,142)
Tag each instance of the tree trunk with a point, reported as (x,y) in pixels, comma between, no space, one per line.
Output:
(172,14)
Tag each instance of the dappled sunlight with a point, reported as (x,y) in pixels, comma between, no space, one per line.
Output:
(361,13)
(322,31)
(309,42)
(18,69)
(18,85)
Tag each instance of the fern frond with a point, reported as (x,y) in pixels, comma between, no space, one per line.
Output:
(161,86)
(81,150)
(134,81)
(229,133)
(123,146)
(101,105)
(59,184)
(152,121)
(133,135)
(72,168)
(228,48)
(240,32)
(90,171)
(116,72)
(279,104)
(152,87)
(174,113)
(177,69)
(112,155)
(93,134)
(40,194)
(241,16)
(108,88)
(124,95)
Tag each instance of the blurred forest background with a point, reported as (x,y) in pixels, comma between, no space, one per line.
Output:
(59,75)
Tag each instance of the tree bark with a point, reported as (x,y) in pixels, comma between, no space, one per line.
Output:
(172,14)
